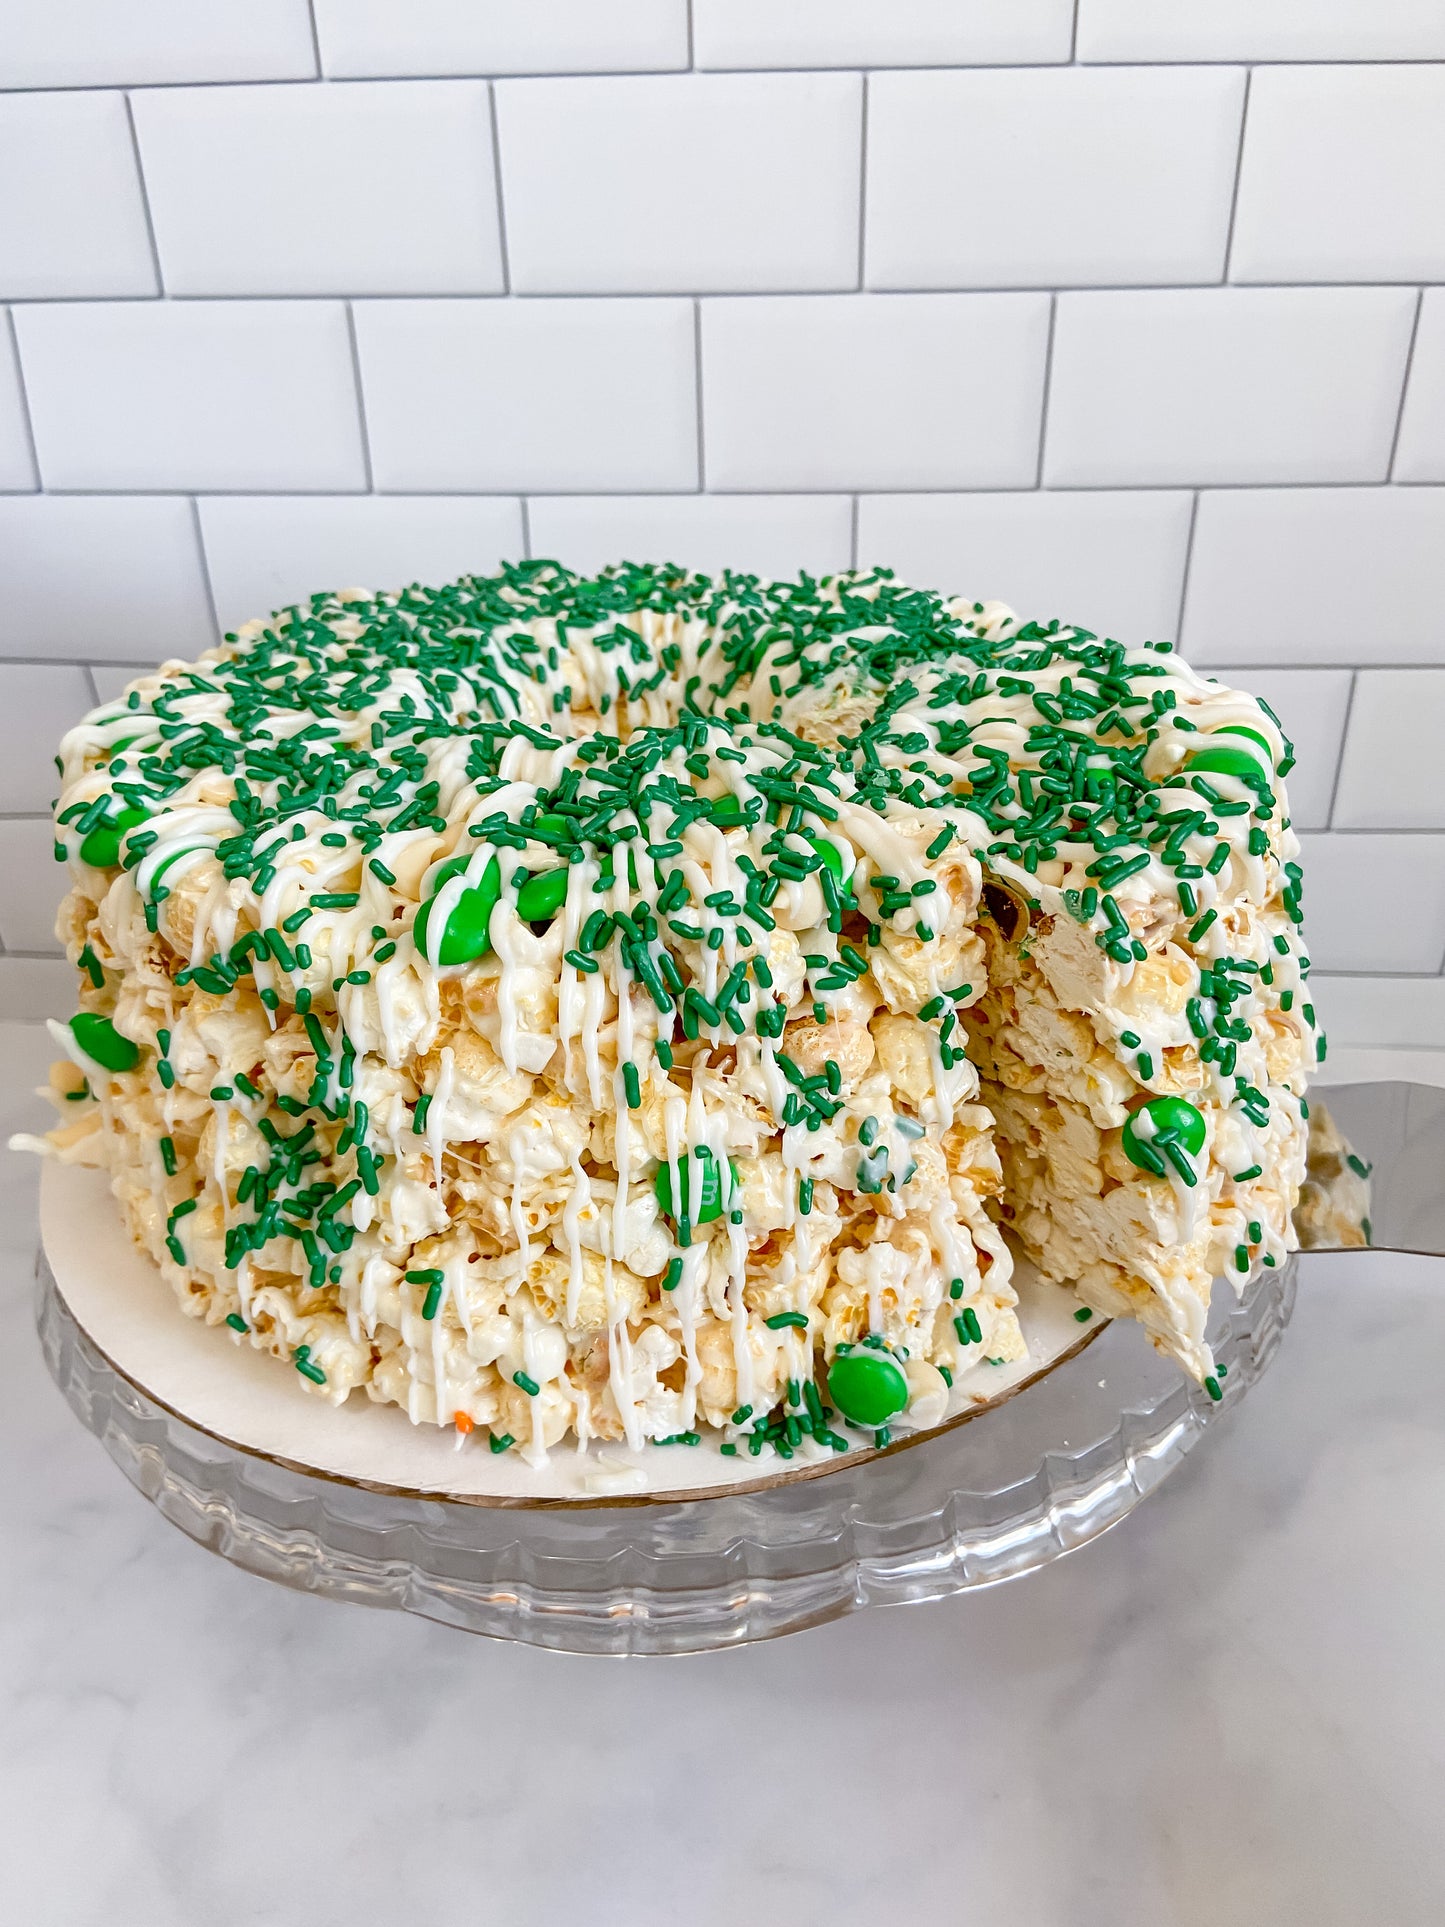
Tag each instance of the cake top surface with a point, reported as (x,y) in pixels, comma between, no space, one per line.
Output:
(536,718)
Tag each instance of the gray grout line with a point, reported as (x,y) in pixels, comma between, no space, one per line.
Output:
(205,565)
(1238,177)
(1405,383)
(145,200)
(1048,391)
(26,422)
(363,424)
(315,39)
(1061,65)
(691,41)
(497,180)
(863,185)
(853,535)
(1188,561)
(1344,746)
(1074,37)
(952,291)
(88,669)
(447,491)
(697,393)
(526,528)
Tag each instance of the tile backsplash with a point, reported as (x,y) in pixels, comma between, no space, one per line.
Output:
(1122,312)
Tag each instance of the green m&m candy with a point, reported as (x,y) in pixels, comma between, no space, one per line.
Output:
(102,846)
(467,934)
(1253,735)
(542,897)
(836,863)
(101,1042)
(726,812)
(867,1386)
(701,1186)
(1176,1132)
(1225,761)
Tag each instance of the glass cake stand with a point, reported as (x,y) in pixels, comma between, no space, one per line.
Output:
(1024,1482)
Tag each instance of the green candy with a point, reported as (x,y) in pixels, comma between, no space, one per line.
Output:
(1243,729)
(1225,761)
(102,847)
(833,860)
(709,1198)
(468,929)
(1174,1120)
(867,1386)
(102,1042)
(542,897)
(726,812)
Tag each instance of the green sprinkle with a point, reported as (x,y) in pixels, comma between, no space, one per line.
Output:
(237,1322)
(500,1441)
(525,1383)
(168,1155)
(798,1319)
(1083,1315)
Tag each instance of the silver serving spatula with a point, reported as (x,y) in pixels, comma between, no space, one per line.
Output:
(1395,1146)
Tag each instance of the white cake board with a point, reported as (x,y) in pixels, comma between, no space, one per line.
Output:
(213,1380)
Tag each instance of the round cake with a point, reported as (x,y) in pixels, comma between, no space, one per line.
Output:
(616,1006)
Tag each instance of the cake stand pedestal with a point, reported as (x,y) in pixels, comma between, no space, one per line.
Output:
(1025,1482)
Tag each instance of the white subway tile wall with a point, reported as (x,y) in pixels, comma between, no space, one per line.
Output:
(367,187)
(1420,456)
(1317,575)
(1262,30)
(17,458)
(1128,314)
(264,551)
(593,207)
(72,220)
(1391,776)
(151,43)
(386,38)
(1113,560)
(1045,177)
(38,702)
(1343,176)
(873,390)
(191,394)
(767,534)
(863,33)
(1227,385)
(505,395)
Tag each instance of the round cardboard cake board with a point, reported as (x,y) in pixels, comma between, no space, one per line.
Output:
(213,1380)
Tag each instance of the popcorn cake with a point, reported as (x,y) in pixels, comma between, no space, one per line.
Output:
(612,1007)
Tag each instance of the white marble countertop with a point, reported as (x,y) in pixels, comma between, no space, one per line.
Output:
(1228,1710)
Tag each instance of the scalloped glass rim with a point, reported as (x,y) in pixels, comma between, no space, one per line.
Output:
(1032,1479)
